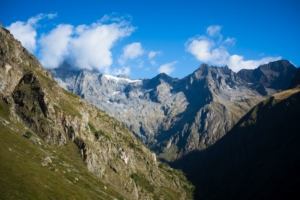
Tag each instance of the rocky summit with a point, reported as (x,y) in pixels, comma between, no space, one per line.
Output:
(56,145)
(176,116)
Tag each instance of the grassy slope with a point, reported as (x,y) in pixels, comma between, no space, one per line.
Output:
(23,177)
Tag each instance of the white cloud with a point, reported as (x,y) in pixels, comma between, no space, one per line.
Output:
(25,32)
(51,16)
(84,46)
(213,30)
(206,49)
(152,54)
(54,46)
(237,62)
(202,49)
(167,68)
(229,41)
(131,52)
(91,46)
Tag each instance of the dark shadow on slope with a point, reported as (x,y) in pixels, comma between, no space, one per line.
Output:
(296,80)
(276,75)
(258,159)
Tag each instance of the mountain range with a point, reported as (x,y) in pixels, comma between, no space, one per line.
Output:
(177,116)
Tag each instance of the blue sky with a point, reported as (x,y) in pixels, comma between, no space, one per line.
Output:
(144,38)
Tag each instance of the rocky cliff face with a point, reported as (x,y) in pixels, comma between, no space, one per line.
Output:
(176,116)
(110,151)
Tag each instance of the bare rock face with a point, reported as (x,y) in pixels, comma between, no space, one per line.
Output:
(109,150)
(176,116)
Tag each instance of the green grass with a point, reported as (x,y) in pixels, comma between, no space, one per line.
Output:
(23,177)
(101,133)
(4,109)
(56,108)
(92,127)
(142,182)
(28,133)
(70,94)
(68,107)
(132,145)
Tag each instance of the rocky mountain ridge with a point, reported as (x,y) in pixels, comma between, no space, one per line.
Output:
(176,116)
(55,118)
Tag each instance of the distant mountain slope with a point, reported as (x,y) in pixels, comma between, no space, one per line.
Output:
(54,144)
(176,116)
(258,159)
(276,75)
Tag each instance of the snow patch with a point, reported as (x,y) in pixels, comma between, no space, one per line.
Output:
(117,79)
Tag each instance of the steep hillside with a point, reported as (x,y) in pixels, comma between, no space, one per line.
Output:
(258,159)
(63,128)
(176,116)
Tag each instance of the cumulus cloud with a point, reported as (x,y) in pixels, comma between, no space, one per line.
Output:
(237,62)
(167,68)
(54,46)
(206,49)
(130,52)
(25,32)
(84,46)
(202,49)
(91,45)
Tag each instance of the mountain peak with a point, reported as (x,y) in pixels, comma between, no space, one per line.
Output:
(162,76)
(277,65)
